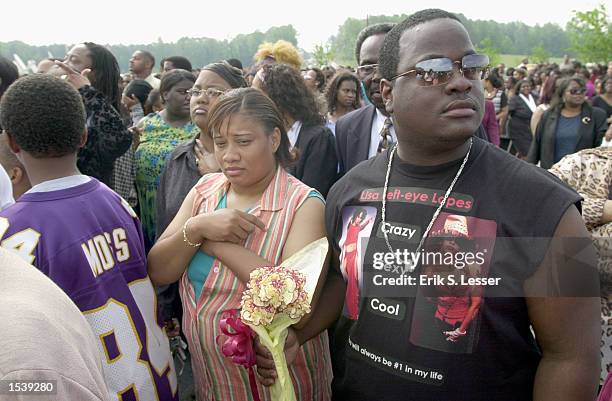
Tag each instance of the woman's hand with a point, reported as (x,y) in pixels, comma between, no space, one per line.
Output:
(265,363)
(204,160)
(224,225)
(129,101)
(76,79)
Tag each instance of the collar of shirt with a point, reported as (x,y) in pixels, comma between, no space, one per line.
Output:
(185,148)
(153,81)
(216,186)
(294,132)
(528,101)
(377,125)
(60,183)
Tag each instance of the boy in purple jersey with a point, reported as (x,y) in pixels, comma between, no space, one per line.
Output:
(84,237)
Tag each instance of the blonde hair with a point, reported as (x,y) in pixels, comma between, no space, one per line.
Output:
(281,51)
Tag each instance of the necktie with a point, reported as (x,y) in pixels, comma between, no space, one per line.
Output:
(385,135)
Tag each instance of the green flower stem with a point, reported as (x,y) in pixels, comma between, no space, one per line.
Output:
(273,337)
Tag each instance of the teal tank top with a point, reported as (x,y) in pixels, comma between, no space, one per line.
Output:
(201,263)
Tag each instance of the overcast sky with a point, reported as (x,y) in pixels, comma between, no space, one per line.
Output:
(115,21)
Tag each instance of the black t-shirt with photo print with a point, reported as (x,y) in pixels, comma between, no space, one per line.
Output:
(440,340)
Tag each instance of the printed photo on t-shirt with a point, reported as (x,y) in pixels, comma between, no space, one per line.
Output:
(453,276)
(357,223)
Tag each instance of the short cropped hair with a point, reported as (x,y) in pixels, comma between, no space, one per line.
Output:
(44,115)
(140,89)
(376,29)
(389,53)
(172,78)
(149,56)
(179,62)
(8,74)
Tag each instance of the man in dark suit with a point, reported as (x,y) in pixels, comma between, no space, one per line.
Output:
(358,134)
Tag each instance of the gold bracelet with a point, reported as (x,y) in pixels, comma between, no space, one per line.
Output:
(185,239)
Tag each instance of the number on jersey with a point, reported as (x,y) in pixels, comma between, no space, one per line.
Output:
(124,370)
(22,243)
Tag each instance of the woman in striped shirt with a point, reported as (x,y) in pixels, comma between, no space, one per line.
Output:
(252,214)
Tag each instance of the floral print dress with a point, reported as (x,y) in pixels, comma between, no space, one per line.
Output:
(157,141)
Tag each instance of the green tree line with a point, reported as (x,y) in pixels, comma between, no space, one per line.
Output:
(200,51)
(505,38)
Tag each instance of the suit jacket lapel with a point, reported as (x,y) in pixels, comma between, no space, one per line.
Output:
(586,138)
(362,134)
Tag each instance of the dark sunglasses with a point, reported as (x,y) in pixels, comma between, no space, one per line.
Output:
(439,71)
(577,91)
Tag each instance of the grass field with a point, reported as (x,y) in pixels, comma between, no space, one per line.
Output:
(512,60)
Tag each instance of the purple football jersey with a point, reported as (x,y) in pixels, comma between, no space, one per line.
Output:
(89,242)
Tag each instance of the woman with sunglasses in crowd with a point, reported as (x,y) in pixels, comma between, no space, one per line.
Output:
(160,133)
(569,125)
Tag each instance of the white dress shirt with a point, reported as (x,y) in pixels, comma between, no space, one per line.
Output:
(294,133)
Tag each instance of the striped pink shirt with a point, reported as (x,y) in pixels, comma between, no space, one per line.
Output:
(215,376)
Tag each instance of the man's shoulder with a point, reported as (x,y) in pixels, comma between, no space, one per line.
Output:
(315,131)
(46,327)
(369,173)
(182,149)
(42,208)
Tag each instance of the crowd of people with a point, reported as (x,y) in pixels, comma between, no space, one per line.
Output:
(149,197)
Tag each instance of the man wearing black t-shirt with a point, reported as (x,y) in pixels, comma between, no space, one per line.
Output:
(448,254)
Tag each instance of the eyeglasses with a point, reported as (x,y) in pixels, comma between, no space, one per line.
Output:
(211,93)
(439,71)
(577,91)
(367,70)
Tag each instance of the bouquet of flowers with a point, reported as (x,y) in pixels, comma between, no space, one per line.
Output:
(276,298)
